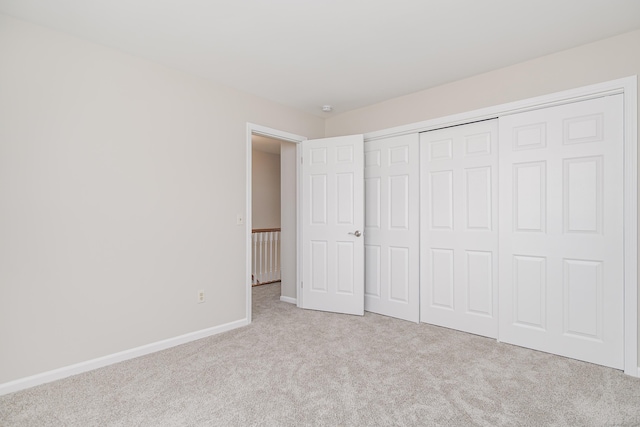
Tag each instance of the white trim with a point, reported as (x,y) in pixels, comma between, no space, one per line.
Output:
(299,225)
(254,129)
(626,86)
(247,222)
(631,227)
(276,134)
(103,361)
(558,98)
(289,300)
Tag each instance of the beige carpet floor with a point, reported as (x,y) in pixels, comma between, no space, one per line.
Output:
(293,368)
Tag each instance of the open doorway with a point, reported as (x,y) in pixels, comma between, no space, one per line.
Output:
(266,211)
(272,210)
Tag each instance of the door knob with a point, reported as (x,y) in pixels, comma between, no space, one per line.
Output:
(357,233)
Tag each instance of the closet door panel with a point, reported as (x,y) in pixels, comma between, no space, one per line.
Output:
(391,234)
(561,230)
(459,230)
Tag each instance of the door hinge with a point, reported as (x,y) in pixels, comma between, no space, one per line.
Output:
(301,285)
(301,162)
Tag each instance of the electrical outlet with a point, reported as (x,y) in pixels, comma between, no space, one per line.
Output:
(200,296)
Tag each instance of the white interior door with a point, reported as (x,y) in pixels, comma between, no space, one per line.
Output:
(561,230)
(332,224)
(392,239)
(459,228)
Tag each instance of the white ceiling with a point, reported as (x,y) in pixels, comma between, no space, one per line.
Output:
(348,53)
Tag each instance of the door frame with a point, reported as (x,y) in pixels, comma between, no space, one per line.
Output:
(254,129)
(628,87)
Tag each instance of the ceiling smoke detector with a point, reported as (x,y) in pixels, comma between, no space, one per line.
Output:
(327,108)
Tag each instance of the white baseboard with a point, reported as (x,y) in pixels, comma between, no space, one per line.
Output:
(89,365)
(289,300)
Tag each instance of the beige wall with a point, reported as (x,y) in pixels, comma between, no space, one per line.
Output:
(120,182)
(265,190)
(597,62)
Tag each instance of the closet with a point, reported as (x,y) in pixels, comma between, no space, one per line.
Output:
(512,227)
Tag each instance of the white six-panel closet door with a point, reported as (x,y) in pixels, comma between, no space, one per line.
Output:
(459,228)
(392,239)
(561,230)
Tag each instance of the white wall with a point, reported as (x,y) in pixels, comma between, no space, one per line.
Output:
(592,63)
(265,190)
(120,182)
(289,248)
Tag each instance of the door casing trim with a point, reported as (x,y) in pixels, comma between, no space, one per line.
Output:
(254,129)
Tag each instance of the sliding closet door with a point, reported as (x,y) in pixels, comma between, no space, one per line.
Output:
(561,230)
(459,228)
(391,238)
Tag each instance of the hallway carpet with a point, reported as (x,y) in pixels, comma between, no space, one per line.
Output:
(293,367)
